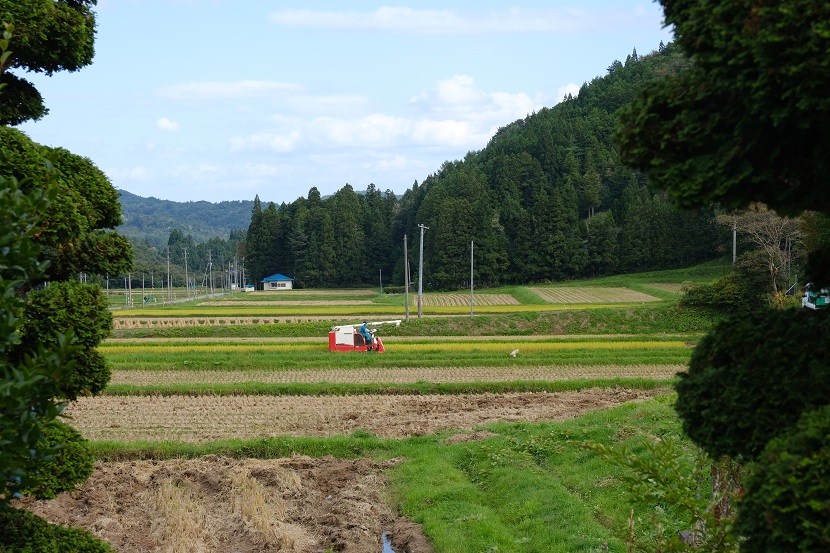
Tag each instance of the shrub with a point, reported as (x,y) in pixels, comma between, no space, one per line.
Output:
(752,377)
(77,308)
(72,462)
(25,532)
(787,502)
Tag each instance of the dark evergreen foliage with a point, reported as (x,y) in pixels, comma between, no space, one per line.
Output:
(25,532)
(787,502)
(751,378)
(75,308)
(72,464)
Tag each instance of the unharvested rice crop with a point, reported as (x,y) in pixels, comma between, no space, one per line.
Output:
(585,294)
(458,300)
(234,303)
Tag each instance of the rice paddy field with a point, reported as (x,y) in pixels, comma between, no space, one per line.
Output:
(228,425)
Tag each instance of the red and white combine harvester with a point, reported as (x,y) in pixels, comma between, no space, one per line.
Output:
(350,337)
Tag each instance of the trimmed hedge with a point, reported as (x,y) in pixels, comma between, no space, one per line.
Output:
(750,379)
(73,462)
(25,532)
(787,502)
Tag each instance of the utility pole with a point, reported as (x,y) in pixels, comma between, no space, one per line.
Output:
(406,278)
(421,271)
(169,289)
(210,271)
(381,281)
(734,241)
(471,279)
(186,280)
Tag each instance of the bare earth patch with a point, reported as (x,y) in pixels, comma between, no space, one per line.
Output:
(208,418)
(220,504)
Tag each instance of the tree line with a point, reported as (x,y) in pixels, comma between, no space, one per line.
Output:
(546,199)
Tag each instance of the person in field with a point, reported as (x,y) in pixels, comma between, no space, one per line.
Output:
(366,334)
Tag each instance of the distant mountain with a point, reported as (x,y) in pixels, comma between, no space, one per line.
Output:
(152,219)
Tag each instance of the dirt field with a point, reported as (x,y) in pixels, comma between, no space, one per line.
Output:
(299,504)
(225,505)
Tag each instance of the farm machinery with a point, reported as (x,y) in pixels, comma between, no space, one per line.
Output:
(350,338)
(815,299)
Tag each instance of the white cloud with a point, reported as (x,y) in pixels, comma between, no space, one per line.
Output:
(168,125)
(455,113)
(196,172)
(570,88)
(129,173)
(413,21)
(217,90)
(258,170)
(266,141)
(458,98)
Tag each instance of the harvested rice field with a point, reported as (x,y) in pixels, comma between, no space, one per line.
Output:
(460,300)
(196,419)
(194,393)
(395,376)
(589,294)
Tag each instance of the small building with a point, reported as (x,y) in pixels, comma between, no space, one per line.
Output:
(277,282)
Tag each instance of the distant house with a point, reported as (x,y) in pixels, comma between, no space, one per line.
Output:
(277,282)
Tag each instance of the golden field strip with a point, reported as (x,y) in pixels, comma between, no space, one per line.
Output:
(395,376)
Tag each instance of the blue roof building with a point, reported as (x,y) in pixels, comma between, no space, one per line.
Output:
(277,282)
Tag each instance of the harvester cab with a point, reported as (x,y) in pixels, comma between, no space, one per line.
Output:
(349,337)
(815,298)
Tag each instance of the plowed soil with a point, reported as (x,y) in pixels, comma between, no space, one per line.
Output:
(299,504)
(218,504)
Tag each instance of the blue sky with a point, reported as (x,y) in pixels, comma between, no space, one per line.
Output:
(222,100)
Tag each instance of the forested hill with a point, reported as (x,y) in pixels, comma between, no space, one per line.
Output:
(152,219)
(546,199)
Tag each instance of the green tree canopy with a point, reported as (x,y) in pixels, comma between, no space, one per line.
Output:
(49,36)
(749,119)
(747,122)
